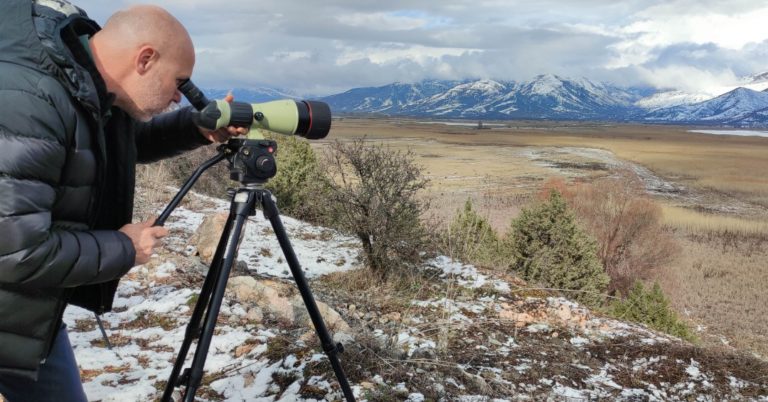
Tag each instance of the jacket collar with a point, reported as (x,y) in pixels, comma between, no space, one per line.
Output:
(43,35)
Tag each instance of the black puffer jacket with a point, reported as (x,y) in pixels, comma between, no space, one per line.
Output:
(67,171)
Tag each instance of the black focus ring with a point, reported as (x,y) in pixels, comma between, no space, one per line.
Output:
(305,119)
(241,114)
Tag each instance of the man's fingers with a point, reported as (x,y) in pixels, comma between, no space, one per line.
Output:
(159,231)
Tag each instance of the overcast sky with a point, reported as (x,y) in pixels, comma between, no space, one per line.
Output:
(324,47)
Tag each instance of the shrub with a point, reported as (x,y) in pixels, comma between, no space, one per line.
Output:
(297,170)
(650,307)
(471,238)
(627,225)
(548,247)
(214,182)
(371,191)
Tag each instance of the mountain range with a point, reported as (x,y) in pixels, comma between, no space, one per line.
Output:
(549,97)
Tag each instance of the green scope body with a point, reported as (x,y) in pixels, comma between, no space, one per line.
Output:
(308,119)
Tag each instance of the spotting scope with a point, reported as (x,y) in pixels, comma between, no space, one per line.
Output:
(308,119)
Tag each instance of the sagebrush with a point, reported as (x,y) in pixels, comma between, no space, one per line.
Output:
(372,192)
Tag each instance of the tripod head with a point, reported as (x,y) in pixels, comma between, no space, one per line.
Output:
(251,161)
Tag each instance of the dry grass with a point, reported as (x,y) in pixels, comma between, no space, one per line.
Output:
(692,221)
(719,282)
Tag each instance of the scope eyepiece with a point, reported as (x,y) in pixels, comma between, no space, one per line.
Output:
(193,94)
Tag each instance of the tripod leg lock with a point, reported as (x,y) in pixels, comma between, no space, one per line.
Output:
(183,379)
(334,349)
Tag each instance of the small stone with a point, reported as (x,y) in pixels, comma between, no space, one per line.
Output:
(367,385)
(243,349)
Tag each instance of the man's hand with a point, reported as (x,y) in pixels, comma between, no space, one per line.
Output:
(223,134)
(145,238)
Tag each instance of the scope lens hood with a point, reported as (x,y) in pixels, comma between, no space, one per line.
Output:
(314,119)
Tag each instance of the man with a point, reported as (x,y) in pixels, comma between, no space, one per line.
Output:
(76,108)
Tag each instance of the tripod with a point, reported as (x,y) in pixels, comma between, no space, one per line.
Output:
(251,163)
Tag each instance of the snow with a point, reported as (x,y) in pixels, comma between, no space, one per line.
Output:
(742,133)
(670,99)
(729,107)
(545,85)
(322,250)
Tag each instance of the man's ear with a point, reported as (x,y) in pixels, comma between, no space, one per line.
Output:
(146,59)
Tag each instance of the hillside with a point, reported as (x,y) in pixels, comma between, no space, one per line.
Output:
(461,334)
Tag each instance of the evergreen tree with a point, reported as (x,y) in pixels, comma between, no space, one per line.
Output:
(650,307)
(471,238)
(548,247)
(297,171)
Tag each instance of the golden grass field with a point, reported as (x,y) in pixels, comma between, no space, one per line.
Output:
(713,188)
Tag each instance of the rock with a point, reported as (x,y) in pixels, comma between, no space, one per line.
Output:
(243,349)
(332,319)
(207,236)
(343,338)
(394,317)
(244,288)
(522,319)
(255,314)
(267,294)
(564,313)
(423,353)
(367,385)
(275,298)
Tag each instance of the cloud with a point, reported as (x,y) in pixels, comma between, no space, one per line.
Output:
(333,45)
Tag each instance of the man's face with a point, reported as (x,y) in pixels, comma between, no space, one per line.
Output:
(157,90)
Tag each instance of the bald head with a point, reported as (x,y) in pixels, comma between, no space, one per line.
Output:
(147,24)
(143,49)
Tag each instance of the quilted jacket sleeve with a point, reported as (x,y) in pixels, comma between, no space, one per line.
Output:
(37,120)
(168,135)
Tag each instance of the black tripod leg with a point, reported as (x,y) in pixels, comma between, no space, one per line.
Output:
(243,205)
(201,306)
(331,350)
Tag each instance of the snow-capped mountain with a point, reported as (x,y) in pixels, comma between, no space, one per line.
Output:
(546,96)
(469,99)
(552,96)
(729,108)
(392,98)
